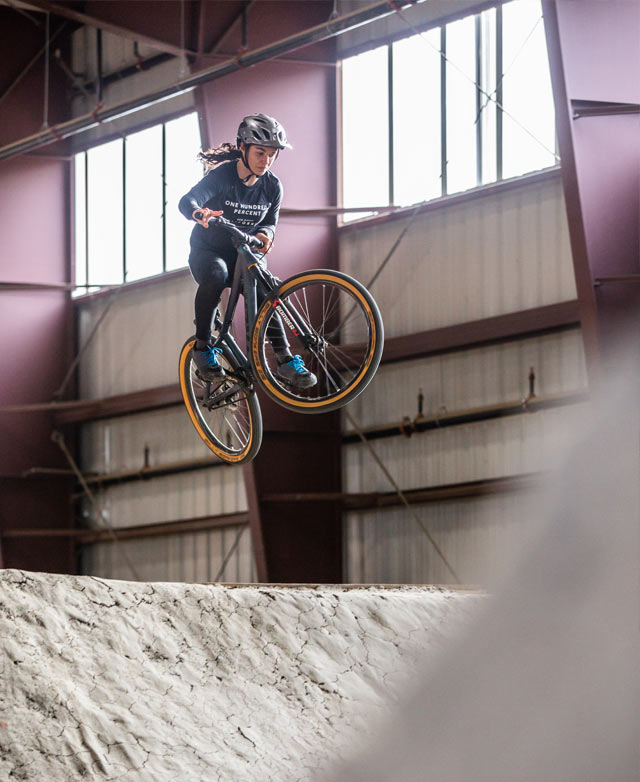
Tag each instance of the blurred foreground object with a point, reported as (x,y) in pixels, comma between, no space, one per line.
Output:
(545,685)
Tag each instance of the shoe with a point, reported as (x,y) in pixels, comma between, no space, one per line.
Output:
(207,363)
(296,374)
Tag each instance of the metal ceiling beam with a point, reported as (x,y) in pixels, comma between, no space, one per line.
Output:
(32,62)
(215,47)
(271,51)
(22,12)
(162,529)
(109,27)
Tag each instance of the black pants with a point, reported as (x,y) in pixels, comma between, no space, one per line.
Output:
(213,271)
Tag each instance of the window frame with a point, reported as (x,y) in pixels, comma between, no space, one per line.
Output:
(497,106)
(87,288)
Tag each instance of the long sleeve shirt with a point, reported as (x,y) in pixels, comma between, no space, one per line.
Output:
(254,209)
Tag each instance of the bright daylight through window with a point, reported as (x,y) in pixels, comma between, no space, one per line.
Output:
(447,109)
(127,224)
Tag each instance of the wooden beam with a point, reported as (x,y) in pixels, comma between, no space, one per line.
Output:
(114,406)
(487,331)
(457,491)
(408,427)
(478,333)
(110,27)
(181,526)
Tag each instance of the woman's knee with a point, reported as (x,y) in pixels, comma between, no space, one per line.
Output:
(209,270)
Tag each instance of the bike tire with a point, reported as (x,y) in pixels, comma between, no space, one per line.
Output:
(347,324)
(231,429)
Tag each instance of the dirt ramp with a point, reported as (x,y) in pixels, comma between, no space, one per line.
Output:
(114,680)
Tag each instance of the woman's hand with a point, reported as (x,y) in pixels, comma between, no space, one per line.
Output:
(267,244)
(204,215)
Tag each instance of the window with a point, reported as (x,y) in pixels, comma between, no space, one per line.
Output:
(446,110)
(365,128)
(127,224)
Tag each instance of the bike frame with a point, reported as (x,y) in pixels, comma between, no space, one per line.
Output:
(249,274)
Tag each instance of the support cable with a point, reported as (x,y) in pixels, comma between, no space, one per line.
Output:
(395,245)
(74,363)
(58,439)
(500,77)
(386,260)
(31,63)
(45,111)
(358,429)
(229,553)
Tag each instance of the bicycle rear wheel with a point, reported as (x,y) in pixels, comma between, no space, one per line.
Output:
(225,413)
(343,346)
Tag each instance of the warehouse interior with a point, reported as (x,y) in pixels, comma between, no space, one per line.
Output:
(476,165)
(501,246)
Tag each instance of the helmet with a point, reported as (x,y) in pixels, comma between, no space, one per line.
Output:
(263,130)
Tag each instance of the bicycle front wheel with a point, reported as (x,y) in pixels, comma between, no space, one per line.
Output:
(332,321)
(225,413)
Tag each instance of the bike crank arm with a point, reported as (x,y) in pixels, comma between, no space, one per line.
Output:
(219,400)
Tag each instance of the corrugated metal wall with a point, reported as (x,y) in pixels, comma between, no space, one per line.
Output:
(118,444)
(188,557)
(478,537)
(473,259)
(474,378)
(210,492)
(139,339)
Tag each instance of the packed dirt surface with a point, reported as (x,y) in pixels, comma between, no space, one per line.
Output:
(114,680)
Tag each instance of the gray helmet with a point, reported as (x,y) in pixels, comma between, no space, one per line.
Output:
(263,130)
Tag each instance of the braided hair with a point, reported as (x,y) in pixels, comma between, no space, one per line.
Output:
(214,155)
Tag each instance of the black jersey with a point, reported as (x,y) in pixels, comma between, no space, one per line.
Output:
(253,209)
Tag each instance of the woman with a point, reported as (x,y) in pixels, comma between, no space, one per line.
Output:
(240,184)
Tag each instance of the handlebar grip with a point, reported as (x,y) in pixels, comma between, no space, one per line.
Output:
(255,242)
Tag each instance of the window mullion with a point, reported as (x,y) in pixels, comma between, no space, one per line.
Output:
(86,220)
(124,209)
(443,108)
(499,93)
(479,85)
(164,198)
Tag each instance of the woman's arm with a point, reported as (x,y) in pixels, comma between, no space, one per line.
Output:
(199,195)
(266,228)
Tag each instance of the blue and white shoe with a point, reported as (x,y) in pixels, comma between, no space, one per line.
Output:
(296,374)
(206,361)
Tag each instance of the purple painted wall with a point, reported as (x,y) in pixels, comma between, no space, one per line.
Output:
(35,326)
(594,49)
(35,334)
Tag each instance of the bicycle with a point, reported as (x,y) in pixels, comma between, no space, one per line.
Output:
(330,318)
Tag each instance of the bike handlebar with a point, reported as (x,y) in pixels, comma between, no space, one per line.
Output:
(241,236)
